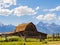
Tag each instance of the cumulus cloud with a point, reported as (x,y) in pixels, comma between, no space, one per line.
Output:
(48,18)
(5,12)
(53,9)
(37,8)
(24,10)
(7,3)
(3,7)
(18,11)
(40,17)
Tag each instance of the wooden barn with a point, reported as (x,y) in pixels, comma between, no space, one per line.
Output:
(28,30)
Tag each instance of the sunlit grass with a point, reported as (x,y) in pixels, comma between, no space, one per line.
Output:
(28,43)
(15,40)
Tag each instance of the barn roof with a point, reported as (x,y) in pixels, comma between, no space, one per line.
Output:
(22,27)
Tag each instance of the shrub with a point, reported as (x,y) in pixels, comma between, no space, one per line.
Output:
(13,39)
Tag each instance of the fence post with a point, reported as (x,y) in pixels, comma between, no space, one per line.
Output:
(58,35)
(53,36)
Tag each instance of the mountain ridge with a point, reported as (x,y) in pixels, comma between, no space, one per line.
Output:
(48,28)
(7,28)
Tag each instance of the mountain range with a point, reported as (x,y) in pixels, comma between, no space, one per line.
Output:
(6,28)
(48,28)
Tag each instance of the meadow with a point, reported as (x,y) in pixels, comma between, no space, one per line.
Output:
(15,40)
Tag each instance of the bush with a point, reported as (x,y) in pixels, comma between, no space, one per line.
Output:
(13,39)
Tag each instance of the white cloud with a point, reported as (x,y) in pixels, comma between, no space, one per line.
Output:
(19,11)
(3,7)
(37,8)
(58,8)
(24,10)
(40,17)
(59,18)
(53,9)
(47,18)
(7,3)
(5,12)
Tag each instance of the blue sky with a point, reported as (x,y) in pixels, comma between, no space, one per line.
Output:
(23,11)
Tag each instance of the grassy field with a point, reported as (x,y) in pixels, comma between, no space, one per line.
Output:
(14,40)
(30,43)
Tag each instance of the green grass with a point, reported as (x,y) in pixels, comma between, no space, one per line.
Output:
(28,43)
(15,40)
(21,43)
